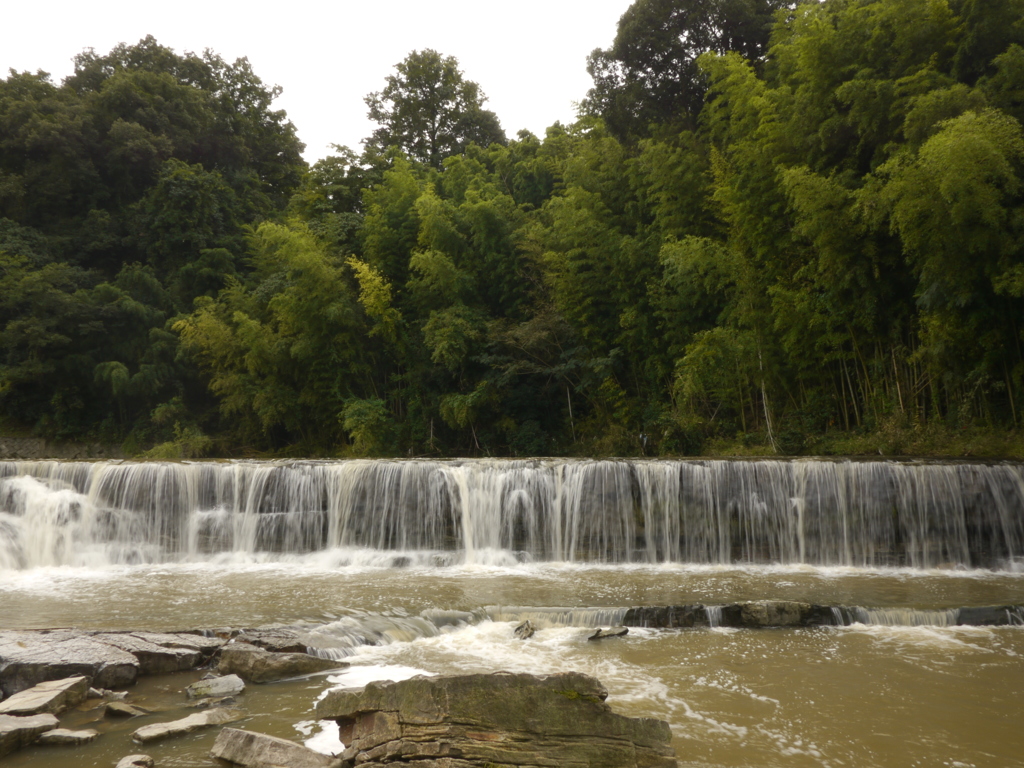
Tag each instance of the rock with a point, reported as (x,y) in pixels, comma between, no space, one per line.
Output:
(471,721)
(122,709)
(996,615)
(159,731)
(603,634)
(275,640)
(136,761)
(228,685)
(524,631)
(666,616)
(153,659)
(29,658)
(53,696)
(64,737)
(259,666)
(765,613)
(18,732)
(260,751)
(192,641)
(755,615)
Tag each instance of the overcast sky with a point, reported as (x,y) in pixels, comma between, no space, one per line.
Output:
(529,57)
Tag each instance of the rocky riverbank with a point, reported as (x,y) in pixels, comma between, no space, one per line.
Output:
(45,673)
(471,721)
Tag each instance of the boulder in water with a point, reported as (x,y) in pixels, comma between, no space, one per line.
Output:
(53,696)
(525,630)
(135,761)
(259,666)
(472,721)
(228,685)
(257,750)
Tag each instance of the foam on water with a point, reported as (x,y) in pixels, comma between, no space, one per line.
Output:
(326,740)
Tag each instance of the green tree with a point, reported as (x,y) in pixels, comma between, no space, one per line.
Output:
(650,73)
(430,111)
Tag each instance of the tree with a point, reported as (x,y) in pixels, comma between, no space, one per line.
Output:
(429,111)
(650,73)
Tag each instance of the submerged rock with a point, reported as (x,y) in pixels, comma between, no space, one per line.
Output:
(123,709)
(135,761)
(18,732)
(64,737)
(228,685)
(257,750)
(259,666)
(159,731)
(471,721)
(53,696)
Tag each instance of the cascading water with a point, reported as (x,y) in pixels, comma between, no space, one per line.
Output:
(858,513)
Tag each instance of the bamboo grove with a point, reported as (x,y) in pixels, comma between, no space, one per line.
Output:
(772,223)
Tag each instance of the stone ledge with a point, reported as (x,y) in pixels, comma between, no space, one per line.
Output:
(493,719)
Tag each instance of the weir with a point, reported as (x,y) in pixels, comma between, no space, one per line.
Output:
(421,512)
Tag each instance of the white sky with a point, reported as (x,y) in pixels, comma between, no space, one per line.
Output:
(529,57)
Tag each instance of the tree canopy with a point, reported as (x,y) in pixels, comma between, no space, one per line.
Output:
(774,228)
(430,111)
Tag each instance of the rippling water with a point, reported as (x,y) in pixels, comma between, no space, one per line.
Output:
(866,695)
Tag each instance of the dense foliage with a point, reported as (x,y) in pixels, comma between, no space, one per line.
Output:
(772,222)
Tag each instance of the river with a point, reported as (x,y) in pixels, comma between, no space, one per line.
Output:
(133,546)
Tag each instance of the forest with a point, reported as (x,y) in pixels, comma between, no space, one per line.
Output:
(774,228)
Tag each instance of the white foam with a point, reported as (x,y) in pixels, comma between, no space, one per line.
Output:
(327,739)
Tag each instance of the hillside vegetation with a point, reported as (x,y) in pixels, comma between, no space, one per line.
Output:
(775,228)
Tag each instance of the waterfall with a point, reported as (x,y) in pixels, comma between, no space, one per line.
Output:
(859,513)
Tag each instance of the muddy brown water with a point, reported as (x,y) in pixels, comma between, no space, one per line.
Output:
(864,695)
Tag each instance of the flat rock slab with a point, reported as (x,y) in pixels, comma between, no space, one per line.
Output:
(256,750)
(53,696)
(206,645)
(136,761)
(18,732)
(29,658)
(153,659)
(159,731)
(497,719)
(228,685)
(260,666)
(64,737)
(277,640)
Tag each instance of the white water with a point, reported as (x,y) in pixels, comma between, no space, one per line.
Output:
(499,512)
